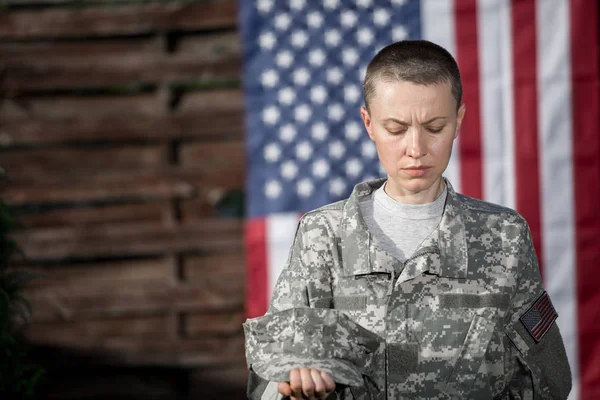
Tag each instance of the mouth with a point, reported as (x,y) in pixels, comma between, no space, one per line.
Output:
(416,171)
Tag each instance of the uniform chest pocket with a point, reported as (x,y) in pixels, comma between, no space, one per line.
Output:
(364,299)
(477,316)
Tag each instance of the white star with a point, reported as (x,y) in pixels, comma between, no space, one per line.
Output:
(314,19)
(398,2)
(271,115)
(302,113)
(348,18)
(336,150)
(272,189)
(272,152)
(318,94)
(287,96)
(368,149)
(399,33)
(337,187)
(316,57)
(353,131)
(304,151)
(335,112)
(301,76)
(320,168)
(264,6)
(305,187)
(299,39)
(364,36)
(267,40)
(269,78)
(351,94)
(284,59)
(364,3)
(332,38)
(288,133)
(331,4)
(350,56)
(353,167)
(381,17)
(334,75)
(282,21)
(289,170)
(319,131)
(297,4)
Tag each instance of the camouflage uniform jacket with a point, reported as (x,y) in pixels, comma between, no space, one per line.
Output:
(450,316)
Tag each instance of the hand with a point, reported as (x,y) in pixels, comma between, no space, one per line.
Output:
(307,384)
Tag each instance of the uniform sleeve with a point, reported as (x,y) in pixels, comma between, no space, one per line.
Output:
(305,281)
(539,365)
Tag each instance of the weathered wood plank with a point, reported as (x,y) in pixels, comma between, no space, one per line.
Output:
(225,322)
(111,21)
(216,154)
(197,117)
(168,183)
(34,66)
(69,303)
(107,214)
(230,265)
(209,352)
(61,108)
(141,239)
(100,275)
(32,163)
(97,330)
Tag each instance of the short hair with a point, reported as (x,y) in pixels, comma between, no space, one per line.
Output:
(417,61)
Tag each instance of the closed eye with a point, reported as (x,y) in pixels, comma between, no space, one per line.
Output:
(434,129)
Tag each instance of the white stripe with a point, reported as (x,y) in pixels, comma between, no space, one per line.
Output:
(437,19)
(496,94)
(555,133)
(281,229)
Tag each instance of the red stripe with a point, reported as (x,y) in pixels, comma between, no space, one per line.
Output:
(543,328)
(586,176)
(467,55)
(257,290)
(527,170)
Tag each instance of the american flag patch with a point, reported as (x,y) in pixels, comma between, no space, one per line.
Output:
(540,316)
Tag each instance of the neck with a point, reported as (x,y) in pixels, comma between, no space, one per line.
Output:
(422,197)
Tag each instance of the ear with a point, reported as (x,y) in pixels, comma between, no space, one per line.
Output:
(459,118)
(364,113)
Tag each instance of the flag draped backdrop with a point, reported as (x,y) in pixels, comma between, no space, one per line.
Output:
(529,140)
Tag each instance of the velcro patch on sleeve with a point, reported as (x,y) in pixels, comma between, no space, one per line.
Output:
(539,317)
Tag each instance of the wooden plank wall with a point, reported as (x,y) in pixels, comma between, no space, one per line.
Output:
(121,132)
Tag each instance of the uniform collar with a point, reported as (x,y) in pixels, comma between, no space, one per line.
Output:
(357,242)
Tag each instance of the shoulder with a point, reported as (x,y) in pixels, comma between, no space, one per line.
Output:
(485,210)
(328,215)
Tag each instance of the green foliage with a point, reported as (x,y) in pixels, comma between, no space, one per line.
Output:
(18,376)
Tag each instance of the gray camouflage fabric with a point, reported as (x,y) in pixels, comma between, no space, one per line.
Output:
(448,317)
(324,339)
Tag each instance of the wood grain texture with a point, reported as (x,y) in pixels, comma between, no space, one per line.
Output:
(113,21)
(169,183)
(35,163)
(63,65)
(90,215)
(130,239)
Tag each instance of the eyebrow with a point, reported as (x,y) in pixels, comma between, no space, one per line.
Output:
(406,123)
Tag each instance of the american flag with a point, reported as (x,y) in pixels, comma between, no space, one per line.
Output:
(529,140)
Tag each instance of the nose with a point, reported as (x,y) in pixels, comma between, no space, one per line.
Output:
(416,147)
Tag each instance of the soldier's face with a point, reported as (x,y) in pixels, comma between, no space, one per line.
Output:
(413,127)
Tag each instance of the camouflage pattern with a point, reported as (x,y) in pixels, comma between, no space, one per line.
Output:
(324,339)
(448,316)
